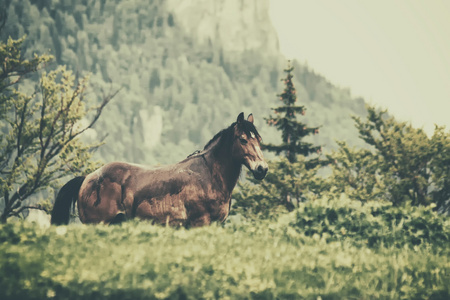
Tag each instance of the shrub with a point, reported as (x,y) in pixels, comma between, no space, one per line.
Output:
(372,224)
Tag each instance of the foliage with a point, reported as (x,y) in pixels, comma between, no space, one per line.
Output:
(405,166)
(374,224)
(268,198)
(267,260)
(285,120)
(40,132)
(356,173)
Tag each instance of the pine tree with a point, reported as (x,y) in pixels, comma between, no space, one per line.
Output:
(285,120)
(291,179)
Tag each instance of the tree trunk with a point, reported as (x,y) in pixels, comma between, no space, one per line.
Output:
(4,217)
(288,203)
(5,212)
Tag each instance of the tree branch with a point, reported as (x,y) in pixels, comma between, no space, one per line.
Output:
(22,208)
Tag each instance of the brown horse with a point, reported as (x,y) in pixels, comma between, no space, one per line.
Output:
(193,192)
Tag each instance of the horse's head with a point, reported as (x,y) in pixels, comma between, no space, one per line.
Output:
(247,148)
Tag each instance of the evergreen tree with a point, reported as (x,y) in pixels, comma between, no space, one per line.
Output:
(285,120)
(290,178)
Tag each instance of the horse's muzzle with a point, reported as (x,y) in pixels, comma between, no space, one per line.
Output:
(260,172)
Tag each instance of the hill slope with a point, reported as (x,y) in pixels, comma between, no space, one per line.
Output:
(186,70)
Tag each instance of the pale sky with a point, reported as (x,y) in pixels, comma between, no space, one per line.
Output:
(393,53)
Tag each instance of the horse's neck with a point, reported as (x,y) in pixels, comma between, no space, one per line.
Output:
(223,168)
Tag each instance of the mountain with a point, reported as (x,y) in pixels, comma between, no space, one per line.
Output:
(186,68)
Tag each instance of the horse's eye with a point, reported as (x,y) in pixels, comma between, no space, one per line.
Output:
(243,141)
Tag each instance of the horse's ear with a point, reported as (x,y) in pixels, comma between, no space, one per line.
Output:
(240,118)
(250,118)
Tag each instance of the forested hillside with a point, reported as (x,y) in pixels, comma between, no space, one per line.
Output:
(180,84)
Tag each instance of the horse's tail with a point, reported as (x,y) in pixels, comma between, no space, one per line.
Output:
(67,195)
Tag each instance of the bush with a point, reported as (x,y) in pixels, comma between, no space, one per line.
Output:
(371,224)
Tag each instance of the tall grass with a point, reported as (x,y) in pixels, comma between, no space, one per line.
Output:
(326,249)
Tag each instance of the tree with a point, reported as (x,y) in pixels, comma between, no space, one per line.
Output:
(285,120)
(40,139)
(404,165)
(291,178)
(357,173)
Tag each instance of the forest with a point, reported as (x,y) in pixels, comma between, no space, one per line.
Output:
(355,204)
(174,94)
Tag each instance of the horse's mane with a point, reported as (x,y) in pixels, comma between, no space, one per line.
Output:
(226,135)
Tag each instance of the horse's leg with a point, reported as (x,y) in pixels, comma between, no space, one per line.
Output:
(118,219)
(202,220)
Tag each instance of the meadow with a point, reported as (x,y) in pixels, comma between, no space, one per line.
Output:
(188,91)
(326,249)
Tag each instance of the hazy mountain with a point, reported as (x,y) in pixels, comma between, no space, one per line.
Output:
(187,69)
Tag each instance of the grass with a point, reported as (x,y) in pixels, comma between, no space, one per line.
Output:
(263,260)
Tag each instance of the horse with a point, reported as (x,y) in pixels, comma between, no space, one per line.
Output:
(191,193)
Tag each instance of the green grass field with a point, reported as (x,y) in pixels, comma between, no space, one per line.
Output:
(324,250)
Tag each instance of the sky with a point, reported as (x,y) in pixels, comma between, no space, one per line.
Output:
(394,54)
